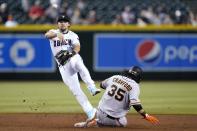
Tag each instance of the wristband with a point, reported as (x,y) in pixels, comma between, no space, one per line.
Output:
(143,113)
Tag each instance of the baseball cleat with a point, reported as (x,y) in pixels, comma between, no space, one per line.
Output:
(94,90)
(80,124)
(92,123)
(91,114)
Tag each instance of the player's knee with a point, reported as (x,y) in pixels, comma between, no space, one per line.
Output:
(123,121)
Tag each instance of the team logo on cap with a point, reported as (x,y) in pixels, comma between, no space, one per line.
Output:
(148,52)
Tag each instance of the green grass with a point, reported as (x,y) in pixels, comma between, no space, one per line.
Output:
(54,97)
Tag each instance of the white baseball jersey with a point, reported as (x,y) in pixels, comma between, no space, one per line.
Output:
(121,92)
(74,65)
(70,40)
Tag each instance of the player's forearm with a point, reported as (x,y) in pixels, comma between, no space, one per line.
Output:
(50,35)
(76,49)
(140,110)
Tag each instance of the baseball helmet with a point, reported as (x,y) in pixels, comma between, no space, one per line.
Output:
(134,73)
(63,18)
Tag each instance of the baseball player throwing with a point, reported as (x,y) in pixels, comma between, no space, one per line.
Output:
(65,47)
(122,92)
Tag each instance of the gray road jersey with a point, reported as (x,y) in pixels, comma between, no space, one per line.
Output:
(121,92)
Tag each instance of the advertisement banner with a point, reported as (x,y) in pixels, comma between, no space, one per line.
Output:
(25,53)
(153,52)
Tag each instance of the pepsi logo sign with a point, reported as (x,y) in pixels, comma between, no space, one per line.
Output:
(148,52)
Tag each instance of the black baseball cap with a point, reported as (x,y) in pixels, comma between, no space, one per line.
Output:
(63,18)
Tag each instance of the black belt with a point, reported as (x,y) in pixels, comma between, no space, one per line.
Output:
(111,117)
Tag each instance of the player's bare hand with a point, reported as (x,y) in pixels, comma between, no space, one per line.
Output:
(60,36)
(151,119)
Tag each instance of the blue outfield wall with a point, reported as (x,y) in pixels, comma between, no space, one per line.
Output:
(25,53)
(162,55)
(153,52)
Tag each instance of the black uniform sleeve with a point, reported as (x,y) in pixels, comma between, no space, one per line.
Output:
(140,110)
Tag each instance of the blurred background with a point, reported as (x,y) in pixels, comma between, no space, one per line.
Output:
(136,12)
(158,35)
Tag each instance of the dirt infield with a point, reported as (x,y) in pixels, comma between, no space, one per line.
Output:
(64,122)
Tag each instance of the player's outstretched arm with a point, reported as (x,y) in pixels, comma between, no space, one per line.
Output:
(146,116)
(51,35)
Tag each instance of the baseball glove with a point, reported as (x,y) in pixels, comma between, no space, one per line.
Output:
(63,56)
